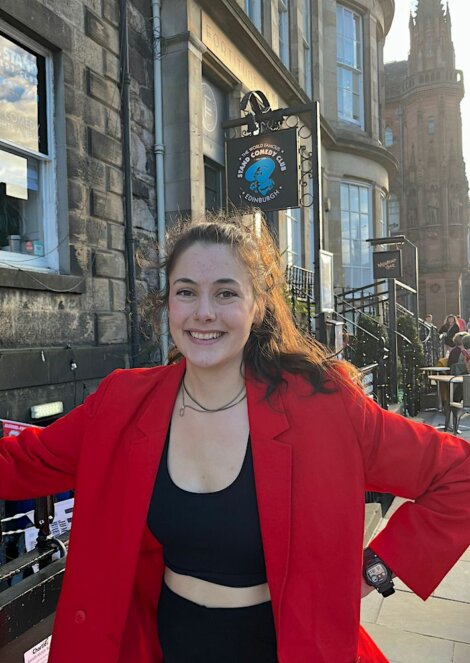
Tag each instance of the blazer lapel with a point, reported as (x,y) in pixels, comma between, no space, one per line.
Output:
(144,449)
(272,461)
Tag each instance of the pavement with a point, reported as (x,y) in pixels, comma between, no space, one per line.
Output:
(407,629)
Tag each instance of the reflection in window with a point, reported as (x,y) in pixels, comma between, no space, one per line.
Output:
(307,47)
(388,136)
(20,229)
(393,215)
(26,167)
(350,97)
(283,19)
(254,9)
(293,237)
(356,228)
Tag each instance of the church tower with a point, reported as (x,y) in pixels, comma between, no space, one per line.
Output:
(423,128)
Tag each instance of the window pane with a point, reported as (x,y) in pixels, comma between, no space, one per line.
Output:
(354,198)
(355,228)
(346,252)
(344,197)
(20,205)
(22,120)
(364,197)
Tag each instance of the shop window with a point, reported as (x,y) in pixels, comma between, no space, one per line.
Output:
(349,69)
(28,223)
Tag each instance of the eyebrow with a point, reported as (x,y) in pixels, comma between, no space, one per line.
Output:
(224,281)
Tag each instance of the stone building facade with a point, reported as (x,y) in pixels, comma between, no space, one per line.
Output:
(65,295)
(429,199)
(294,51)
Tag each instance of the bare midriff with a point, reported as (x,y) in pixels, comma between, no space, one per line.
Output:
(212,595)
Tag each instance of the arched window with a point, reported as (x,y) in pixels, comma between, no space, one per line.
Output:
(431,125)
(388,135)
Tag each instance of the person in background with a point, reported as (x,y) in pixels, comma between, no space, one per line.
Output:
(447,332)
(461,323)
(456,358)
(219,509)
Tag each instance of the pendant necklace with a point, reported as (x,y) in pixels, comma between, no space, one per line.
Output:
(235,401)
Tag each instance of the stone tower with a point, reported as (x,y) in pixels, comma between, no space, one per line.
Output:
(423,128)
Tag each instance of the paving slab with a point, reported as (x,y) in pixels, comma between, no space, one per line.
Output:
(370,607)
(456,584)
(461,653)
(436,617)
(404,647)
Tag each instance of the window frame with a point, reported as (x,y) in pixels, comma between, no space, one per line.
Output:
(294,236)
(46,163)
(254,11)
(356,71)
(219,171)
(350,270)
(307,47)
(284,23)
(389,137)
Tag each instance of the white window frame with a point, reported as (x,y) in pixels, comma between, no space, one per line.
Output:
(284,37)
(293,236)
(356,275)
(355,70)
(307,47)
(47,170)
(254,11)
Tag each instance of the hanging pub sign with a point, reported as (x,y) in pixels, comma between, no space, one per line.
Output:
(262,171)
(387,265)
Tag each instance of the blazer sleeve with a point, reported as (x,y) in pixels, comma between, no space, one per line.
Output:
(41,462)
(427,535)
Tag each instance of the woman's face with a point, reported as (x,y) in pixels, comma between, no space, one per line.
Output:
(211,306)
(450,320)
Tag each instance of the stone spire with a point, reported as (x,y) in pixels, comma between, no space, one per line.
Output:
(431,38)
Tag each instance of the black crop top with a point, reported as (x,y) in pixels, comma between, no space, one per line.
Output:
(212,536)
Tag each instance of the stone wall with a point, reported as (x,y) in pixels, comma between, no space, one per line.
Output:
(92,316)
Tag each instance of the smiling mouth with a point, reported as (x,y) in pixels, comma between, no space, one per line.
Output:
(205,336)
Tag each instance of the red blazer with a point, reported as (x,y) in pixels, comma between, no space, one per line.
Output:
(313,458)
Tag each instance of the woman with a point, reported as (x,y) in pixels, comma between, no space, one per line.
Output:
(220,500)
(448,331)
(456,358)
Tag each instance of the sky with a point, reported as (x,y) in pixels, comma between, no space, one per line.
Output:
(397,44)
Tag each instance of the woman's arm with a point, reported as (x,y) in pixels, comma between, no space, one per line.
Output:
(426,536)
(42,462)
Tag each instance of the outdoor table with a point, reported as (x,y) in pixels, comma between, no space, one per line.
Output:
(451,380)
(434,370)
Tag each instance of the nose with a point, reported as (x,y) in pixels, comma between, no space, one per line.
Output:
(204,309)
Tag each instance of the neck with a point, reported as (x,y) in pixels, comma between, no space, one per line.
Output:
(213,387)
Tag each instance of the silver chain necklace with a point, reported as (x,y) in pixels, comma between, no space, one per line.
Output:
(235,401)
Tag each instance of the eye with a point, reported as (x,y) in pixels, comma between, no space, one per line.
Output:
(184,292)
(227,294)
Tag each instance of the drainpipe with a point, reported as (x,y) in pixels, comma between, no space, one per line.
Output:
(159,150)
(129,223)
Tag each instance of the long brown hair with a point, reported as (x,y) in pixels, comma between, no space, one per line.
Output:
(275,344)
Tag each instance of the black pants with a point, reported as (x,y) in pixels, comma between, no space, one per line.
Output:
(191,633)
